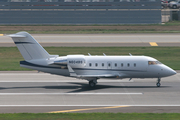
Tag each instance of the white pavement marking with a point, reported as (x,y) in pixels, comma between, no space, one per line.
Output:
(71,93)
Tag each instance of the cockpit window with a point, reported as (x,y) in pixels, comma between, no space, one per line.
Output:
(158,62)
(154,62)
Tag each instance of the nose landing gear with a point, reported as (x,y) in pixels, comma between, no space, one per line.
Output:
(158,84)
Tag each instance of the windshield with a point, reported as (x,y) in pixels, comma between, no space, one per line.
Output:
(154,62)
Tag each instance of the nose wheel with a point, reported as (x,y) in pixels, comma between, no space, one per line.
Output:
(92,83)
(158,84)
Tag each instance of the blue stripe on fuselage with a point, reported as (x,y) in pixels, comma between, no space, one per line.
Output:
(35,65)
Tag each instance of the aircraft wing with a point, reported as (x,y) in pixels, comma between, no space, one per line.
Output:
(73,74)
(99,76)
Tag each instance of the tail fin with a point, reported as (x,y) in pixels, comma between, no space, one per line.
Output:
(28,46)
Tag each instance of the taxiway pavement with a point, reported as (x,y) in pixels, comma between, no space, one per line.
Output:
(99,40)
(41,92)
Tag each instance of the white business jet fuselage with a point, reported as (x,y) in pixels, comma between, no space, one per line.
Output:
(89,67)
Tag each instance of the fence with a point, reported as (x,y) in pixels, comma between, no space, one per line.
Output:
(73,12)
(170,15)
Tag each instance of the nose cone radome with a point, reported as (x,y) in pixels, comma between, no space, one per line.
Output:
(167,71)
(170,71)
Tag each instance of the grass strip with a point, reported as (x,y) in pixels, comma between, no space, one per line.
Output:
(169,27)
(10,56)
(91,116)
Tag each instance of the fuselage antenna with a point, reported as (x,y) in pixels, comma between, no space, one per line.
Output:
(89,54)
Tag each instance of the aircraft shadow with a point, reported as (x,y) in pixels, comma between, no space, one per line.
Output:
(81,87)
(85,87)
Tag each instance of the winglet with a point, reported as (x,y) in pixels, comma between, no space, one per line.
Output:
(71,71)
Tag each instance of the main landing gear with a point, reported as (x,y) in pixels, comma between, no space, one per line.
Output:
(92,83)
(158,82)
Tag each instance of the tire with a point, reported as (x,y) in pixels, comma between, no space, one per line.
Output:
(158,84)
(92,84)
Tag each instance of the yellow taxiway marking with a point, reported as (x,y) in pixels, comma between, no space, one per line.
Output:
(1,34)
(75,110)
(153,43)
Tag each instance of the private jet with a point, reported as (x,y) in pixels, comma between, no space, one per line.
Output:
(90,68)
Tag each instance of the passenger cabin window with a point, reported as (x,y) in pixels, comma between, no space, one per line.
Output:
(115,64)
(154,62)
(96,64)
(103,64)
(89,64)
(128,64)
(109,64)
(121,64)
(134,64)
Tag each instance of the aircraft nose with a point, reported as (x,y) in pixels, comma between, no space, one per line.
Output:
(171,72)
(168,71)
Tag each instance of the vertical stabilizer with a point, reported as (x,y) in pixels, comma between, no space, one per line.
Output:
(28,46)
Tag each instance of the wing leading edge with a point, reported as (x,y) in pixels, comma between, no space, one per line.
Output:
(73,74)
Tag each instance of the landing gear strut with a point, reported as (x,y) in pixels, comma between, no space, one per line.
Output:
(158,82)
(92,83)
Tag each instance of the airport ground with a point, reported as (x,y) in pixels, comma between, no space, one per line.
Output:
(100,40)
(39,92)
